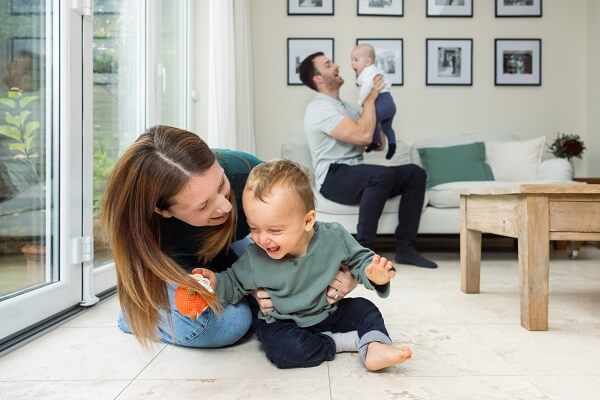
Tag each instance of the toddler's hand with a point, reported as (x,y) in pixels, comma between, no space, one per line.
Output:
(205,277)
(380,271)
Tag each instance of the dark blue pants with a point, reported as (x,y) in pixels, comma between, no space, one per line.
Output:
(289,346)
(370,186)
(385,110)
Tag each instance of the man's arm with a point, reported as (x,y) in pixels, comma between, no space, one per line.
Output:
(360,132)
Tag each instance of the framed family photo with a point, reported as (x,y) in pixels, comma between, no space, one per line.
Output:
(449,62)
(518,8)
(389,58)
(310,7)
(298,49)
(449,8)
(518,62)
(380,8)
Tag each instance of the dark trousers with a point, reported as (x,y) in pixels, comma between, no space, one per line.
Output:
(370,186)
(289,346)
(385,110)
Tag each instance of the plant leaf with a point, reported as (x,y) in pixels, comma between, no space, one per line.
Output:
(30,128)
(12,119)
(11,132)
(18,147)
(8,102)
(24,102)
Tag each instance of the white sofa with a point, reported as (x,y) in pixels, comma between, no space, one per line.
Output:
(441,211)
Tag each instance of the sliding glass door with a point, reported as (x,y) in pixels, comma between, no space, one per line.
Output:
(37,187)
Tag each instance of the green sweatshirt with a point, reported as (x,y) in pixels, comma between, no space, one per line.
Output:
(298,286)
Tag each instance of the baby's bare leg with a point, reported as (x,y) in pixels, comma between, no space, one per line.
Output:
(380,355)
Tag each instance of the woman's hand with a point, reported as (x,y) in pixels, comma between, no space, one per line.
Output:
(343,283)
(263,298)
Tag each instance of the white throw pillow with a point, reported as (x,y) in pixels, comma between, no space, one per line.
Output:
(515,161)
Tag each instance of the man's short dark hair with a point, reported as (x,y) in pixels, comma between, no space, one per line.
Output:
(308,70)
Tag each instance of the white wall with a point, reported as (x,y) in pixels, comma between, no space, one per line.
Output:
(592,153)
(426,111)
(198,119)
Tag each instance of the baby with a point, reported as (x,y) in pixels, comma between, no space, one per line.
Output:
(363,63)
(295,257)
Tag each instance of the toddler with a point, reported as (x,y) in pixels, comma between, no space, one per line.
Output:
(295,257)
(363,63)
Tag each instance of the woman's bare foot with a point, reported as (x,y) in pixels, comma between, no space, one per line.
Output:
(381,356)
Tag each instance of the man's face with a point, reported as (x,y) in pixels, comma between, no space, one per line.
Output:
(329,73)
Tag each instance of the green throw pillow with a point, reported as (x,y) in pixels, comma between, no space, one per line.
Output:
(465,162)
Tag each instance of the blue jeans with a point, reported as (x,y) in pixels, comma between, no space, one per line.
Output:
(289,346)
(209,330)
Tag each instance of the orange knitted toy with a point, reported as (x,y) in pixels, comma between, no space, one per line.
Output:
(190,303)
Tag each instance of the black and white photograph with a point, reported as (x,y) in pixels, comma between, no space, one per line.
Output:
(518,8)
(310,7)
(24,7)
(389,58)
(381,8)
(449,8)
(449,62)
(298,49)
(518,62)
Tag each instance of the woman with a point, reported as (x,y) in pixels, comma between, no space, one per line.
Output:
(171,205)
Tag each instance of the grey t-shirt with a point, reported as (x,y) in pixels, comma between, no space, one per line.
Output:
(321,116)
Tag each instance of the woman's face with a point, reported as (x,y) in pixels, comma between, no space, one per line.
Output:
(204,201)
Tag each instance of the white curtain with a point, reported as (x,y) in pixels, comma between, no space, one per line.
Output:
(230,92)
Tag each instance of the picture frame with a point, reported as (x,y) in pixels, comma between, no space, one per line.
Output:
(27,7)
(380,8)
(518,8)
(449,8)
(389,57)
(33,44)
(449,62)
(310,7)
(518,62)
(299,48)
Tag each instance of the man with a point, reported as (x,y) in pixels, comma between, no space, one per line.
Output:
(337,135)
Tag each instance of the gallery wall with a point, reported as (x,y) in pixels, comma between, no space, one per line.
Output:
(559,104)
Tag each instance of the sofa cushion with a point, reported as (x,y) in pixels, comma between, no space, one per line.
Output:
(465,162)
(447,195)
(515,161)
(453,140)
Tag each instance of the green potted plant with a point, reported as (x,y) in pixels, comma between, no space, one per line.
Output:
(21,134)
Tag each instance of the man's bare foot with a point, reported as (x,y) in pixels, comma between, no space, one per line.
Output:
(380,356)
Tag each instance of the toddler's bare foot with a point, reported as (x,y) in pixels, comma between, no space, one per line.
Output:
(381,356)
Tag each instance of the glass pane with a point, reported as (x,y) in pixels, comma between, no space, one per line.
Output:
(118,82)
(26,184)
(171,86)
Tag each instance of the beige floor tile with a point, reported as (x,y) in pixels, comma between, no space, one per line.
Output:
(105,315)
(228,389)
(78,353)
(437,351)
(568,387)
(438,388)
(61,390)
(244,360)
(562,350)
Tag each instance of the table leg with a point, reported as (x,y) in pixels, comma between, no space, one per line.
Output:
(470,253)
(534,261)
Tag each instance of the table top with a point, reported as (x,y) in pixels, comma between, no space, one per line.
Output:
(533,189)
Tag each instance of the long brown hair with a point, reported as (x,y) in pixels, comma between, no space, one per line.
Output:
(149,174)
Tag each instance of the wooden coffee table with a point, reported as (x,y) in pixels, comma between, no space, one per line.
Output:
(534,214)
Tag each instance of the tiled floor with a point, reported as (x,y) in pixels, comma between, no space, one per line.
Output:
(465,347)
